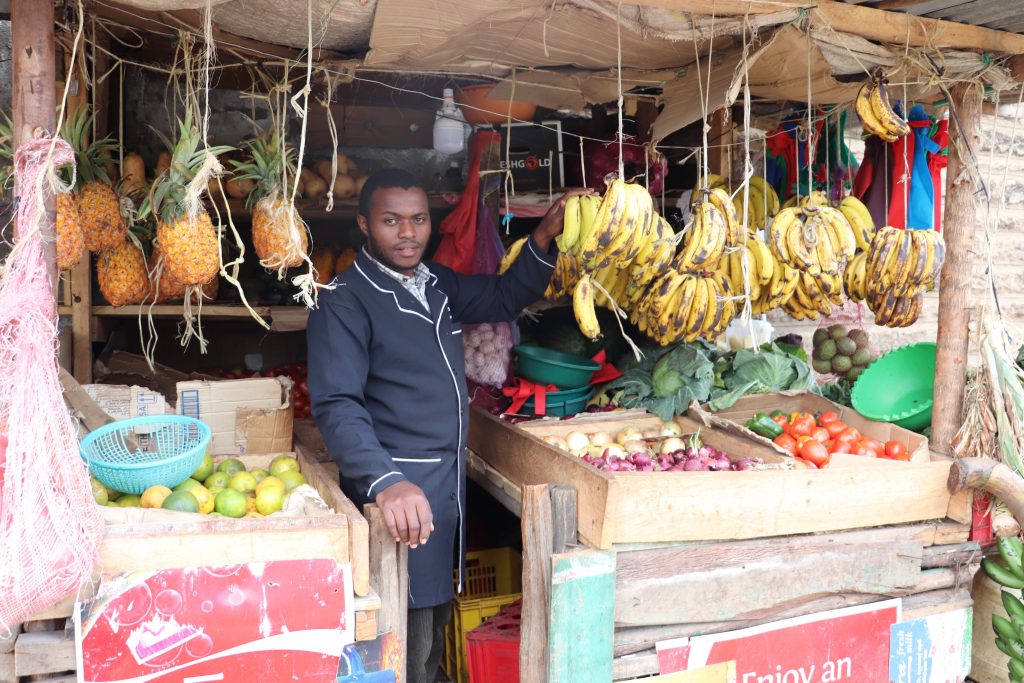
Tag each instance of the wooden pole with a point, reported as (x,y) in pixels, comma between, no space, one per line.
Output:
(33,69)
(955,283)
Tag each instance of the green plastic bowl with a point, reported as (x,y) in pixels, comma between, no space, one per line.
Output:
(546,366)
(898,387)
(563,403)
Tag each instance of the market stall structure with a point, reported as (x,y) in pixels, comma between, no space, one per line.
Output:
(596,602)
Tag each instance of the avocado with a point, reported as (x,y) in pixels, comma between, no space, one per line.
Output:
(846,346)
(820,335)
(862,357)
(823,367)
(841,364)
(826,351)
(860,337)
(853,373)
(837,331)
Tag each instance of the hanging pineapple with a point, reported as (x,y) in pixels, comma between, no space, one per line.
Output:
(278,232)
(185,234)
(122,274)
(98,219)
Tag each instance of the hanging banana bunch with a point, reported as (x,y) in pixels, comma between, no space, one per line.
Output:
(876,113)
(900,267)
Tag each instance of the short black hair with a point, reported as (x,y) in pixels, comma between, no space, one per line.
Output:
(386,179)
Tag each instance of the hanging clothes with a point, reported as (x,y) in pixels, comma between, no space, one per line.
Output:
(780,148)
(921,212)
(835,165)
(872,182)
(936,162)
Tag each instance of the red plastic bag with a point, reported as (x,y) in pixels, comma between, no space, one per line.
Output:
(457,248)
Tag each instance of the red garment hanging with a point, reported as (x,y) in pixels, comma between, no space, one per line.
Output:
(937,162)
(903,159)
(458,230)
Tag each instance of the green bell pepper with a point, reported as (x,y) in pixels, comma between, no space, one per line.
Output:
(763,425)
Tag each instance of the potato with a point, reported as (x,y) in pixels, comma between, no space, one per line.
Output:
(163,162)
(239,188)
(133,171)
(323,169)
(315,186)
(344,187)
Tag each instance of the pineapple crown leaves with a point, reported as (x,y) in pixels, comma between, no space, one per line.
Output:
(265,166)
(168,191)
(89,158)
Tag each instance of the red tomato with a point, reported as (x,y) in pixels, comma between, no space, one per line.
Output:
(875,445)
(815,452)
(781,421)
(838,447)
(803,425)
(860,448)
(820,434)
(849,435)
(828,417)
(785,442)
(806,463)
(896,450)
(835,429)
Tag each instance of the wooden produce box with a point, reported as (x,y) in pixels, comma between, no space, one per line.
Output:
(653,507)
(807,402)
(136,544)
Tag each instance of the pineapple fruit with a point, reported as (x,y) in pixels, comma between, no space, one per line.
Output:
(189,244)
(99,209)
(122,274)
(280,243)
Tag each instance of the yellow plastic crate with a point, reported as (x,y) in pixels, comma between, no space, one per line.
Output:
(493,579)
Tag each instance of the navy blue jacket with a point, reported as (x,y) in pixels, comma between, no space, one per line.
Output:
(387,383)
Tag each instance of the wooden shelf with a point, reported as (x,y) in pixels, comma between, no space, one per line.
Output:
(289,318)
(317,208)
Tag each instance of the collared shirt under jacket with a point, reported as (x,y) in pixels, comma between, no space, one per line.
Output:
(388,387)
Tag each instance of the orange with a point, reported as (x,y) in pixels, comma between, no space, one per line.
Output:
(283,463)
(242,481)
(231,466)
(271,482)
(154,496)
(203,497)
(231,503)
(291,479)
(182,501)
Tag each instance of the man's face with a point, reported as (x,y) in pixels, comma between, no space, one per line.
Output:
(397,228)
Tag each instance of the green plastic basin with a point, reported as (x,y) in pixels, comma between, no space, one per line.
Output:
(546,366)
(898,387)
(563,403)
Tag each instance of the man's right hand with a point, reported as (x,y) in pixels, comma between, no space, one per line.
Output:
(407,513)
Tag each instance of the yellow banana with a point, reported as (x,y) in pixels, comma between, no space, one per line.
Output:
(583,308)
(843,230)
(778,231)
(706,239)
(589,208)
(570,224)
(879,98)
(799,250)
(868,117)
(511,255)
(768,192)
(860,220)
(720,199)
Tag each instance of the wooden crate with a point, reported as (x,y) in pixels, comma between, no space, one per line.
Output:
(647,507)
(203,541)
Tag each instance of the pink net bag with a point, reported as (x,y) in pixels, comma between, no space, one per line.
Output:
(50,526)
(841,347)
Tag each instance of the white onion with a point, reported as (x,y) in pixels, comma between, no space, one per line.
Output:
(672,444)
(557,441)
(628,434)
(600,438)
(576,440)
(670,428)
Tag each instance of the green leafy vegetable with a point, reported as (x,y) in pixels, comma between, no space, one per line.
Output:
(666,380)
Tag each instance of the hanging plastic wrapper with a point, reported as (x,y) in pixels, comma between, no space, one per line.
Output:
(470,245)
(841,347)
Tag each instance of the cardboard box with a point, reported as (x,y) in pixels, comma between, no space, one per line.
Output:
(131,369)
(122,402)
(735,418)
(245,415)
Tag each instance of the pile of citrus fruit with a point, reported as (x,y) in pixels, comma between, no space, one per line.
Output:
(227,489)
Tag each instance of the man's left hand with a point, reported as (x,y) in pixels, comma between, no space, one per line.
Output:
(553,221)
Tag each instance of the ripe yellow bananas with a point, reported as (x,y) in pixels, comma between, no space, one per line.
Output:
(705,242)
(860,220)
(583,308)
(511,255)
(876,113)
(901,265)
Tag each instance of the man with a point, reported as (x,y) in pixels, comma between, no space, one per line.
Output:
(388,388)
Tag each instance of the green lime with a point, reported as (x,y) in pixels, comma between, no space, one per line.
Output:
(291,479)
(187,484)
(205,468)
(231,503)
(260,474)
(182,501)
(231,466)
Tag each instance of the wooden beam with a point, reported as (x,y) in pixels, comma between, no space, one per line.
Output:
(33,69)
(958,223)
(538,537)
(900,29)
(722,8)
(389,575)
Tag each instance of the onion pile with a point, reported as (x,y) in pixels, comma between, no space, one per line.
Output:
(690,459)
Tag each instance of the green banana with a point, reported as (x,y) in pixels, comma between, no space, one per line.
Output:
(1002,626)
(1012,604)
(1000,574)
(1012,551)
(1016,668)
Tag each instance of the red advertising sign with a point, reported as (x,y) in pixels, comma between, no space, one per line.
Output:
(266,621)
(849,644)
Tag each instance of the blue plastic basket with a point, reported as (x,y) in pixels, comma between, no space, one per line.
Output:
(171,449)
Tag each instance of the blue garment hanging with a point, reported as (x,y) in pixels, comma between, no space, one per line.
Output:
(921,209)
